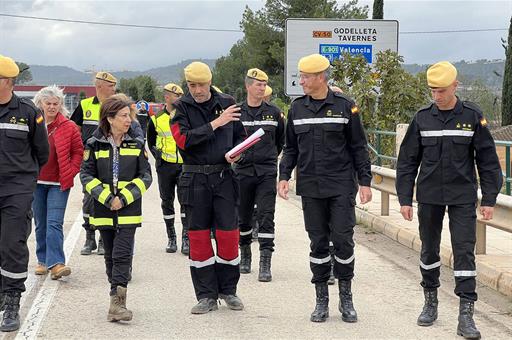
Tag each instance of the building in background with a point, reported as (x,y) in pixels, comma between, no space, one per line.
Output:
(73,93)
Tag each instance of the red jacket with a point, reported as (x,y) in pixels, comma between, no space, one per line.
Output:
(69,148)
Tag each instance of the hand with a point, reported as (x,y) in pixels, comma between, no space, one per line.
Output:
(365,194)
(231,160)
(487,212)
(230,114)
(116,204)
(282,189)
(406,212)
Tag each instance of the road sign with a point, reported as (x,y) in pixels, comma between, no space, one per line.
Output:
(142,105)
(332,38)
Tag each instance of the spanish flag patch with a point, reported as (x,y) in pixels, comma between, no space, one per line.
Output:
(483,121)
(39,119)
(355,110)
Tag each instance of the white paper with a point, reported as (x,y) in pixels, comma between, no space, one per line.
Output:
(257,134)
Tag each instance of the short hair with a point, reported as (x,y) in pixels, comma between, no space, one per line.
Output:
(327,74)
(110,107)
(52,91)
(249,81)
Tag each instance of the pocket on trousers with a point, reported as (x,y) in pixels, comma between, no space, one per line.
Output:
(185,188)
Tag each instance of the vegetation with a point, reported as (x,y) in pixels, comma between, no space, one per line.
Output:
(506,106)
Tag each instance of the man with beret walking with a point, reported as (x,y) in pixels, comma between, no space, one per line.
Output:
(445,140)
(326,141)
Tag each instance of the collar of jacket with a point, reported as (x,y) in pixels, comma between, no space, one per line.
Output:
(328,100)
(14,103)
(245,106)
(457,109)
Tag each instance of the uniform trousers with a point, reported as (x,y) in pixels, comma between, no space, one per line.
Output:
(463,238)
(330,219)
(118,244)
(211,201)
(168,174)
(15,228)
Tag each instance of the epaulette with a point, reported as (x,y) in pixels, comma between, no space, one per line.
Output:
(426,107)
(341,95)
(473,106)
(28,102)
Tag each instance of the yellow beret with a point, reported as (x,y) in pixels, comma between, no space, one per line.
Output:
(441,74)
(8,67)
(268,91)
(217,89)
(106,77)
(314,63)
(256,73)
(198,72)
(171,87)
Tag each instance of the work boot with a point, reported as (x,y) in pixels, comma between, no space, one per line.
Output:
(172,245)
(185,245)
(101,248)
(59,270)
(346,306)
(466,326)
(332,278)
(2,302)
(232,301)
(265,275)
(90,243)
(321,312)
(204,306)
(429,313)
(11,317)
(245,259)
(117,310)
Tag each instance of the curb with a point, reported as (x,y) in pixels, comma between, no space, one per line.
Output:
(487,274)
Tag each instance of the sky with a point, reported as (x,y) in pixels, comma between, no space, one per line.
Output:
(92,47)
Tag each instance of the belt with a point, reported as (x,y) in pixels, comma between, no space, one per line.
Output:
(205,169)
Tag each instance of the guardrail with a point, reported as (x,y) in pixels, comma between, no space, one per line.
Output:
(384,180)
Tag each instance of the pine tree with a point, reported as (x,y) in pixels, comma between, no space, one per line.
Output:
(378,9)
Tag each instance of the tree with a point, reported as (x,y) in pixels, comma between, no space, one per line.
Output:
(147,90)
(82,95)
(378,9)
(477,92)
(141,87)
(506,94)
(25,75)
(263,44)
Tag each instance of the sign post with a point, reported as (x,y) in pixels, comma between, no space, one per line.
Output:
(332,38)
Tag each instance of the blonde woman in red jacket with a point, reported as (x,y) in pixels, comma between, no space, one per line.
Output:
(54,182)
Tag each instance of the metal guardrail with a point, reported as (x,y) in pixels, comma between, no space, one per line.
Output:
(507,174)
(384,180)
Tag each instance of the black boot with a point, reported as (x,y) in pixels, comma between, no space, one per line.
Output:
(346,306)
(185,244)
(466,326)
(245,259)
(265,275)
(321,312)
(332,278)
(172,246)
(101,248)
(90,243)
(11,318)
(429,313)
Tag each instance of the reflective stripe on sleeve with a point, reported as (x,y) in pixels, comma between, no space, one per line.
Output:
(127,195)
(92,184)
(103,196)
(140,184)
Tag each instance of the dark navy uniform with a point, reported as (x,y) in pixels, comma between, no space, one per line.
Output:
(326,141)
(23,151)
(445,145)
(209,191)
(257,172)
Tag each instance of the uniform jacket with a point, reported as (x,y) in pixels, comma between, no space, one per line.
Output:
(327,145)
(87,116)
(446,153)
(160,140)
(97,178)
(194,135)
(69,148)
(262,157)
(23,146)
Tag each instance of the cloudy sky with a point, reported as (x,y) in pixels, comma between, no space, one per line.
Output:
(84,46)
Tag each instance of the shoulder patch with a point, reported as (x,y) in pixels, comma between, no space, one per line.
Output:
(87,154)
(483,121)
(39,118)
(354,110)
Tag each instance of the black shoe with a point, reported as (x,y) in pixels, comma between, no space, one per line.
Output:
(245,259)
(429,313)
(172,247)
(232,301)
(265,275)
(89,245)
(185,245)
(346,306)
(101,248)
(204,306)
(321,312)
(466,326)
(11,317)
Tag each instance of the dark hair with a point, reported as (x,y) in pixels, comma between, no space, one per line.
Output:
(109,108)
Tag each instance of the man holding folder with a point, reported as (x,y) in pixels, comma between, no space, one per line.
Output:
(206,126)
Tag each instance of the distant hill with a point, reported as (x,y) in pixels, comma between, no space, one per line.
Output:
(63,75)
(490,72)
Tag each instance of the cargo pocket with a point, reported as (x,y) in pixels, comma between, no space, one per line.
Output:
(185,189)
